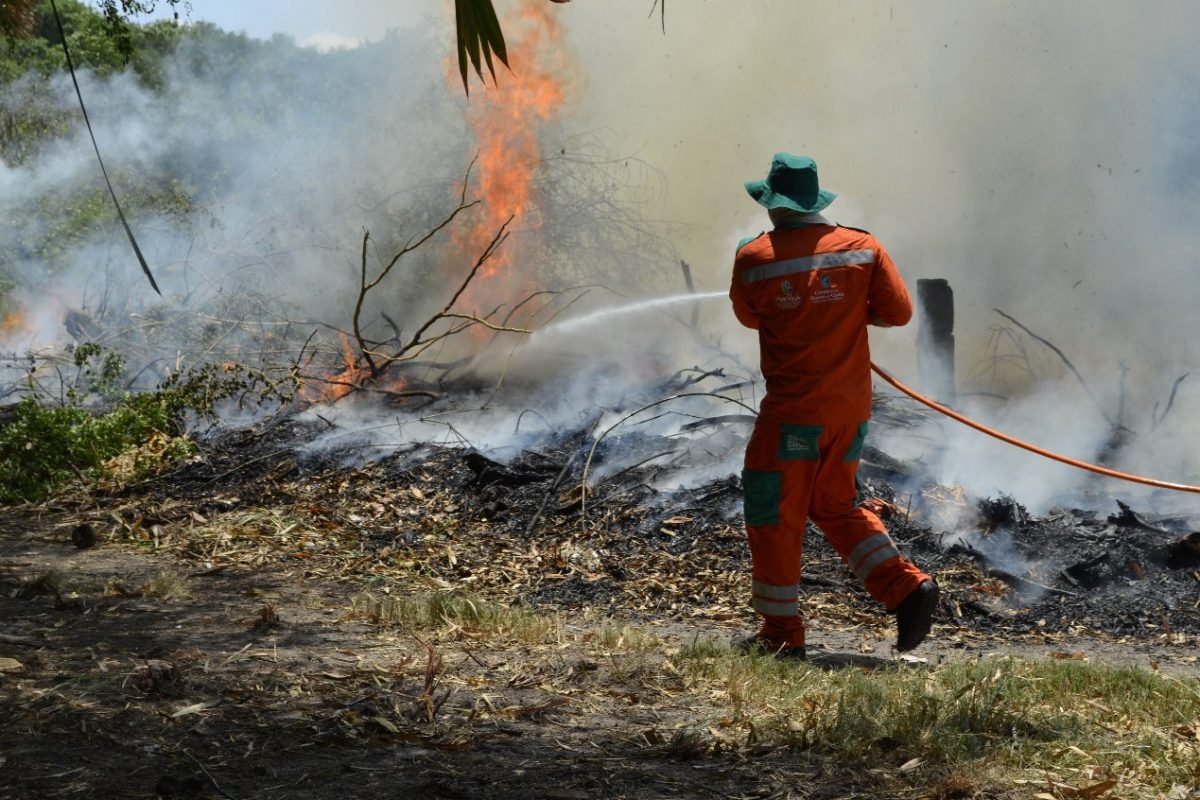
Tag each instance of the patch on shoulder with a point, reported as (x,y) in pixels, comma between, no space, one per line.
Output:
(747,241)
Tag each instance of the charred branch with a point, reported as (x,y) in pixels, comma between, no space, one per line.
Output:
(414,243)
(416,343)
(1018,582)
(1185,553)
(1128,518)
(591,453)
(723,419)
(678,381)
(1156,418)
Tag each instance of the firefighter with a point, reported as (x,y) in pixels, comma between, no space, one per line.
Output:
(810,287)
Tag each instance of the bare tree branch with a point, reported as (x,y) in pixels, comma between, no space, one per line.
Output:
(1155,418)
(1087,389)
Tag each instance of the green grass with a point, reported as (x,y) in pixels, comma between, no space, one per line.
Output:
(1003,715)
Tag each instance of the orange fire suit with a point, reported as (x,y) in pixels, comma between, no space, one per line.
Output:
(810,291)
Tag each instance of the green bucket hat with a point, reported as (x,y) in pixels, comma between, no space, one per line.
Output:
(791,183)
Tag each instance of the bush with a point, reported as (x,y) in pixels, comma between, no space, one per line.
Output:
(44,447)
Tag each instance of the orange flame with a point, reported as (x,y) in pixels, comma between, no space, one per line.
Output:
(13,323)
(326,389)
(506,119)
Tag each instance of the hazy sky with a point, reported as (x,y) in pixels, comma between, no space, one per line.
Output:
(316,22)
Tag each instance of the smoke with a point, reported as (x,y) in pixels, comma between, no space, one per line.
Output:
(615,374)
(284,156)
(267,164)
(1039,156)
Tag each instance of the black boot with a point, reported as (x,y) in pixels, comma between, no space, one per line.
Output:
(914,615)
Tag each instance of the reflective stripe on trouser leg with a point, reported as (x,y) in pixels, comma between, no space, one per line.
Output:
(871,553)
(775,601)
(776,497)
(859,537)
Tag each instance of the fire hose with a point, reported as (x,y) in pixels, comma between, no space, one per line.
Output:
(954,415)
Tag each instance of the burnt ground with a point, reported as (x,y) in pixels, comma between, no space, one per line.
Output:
(223,637)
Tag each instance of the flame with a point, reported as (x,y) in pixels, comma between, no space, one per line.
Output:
(12,324)
(326,389)
(506,119)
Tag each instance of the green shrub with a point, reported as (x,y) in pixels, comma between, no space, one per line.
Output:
(44,446)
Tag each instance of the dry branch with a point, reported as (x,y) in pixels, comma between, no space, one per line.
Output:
(1079,377)
(1155,418)
(365,285)
(591,453)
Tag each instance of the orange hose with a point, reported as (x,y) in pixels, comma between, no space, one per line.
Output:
(1112,473)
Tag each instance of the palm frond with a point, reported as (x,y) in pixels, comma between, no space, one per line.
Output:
(479,38)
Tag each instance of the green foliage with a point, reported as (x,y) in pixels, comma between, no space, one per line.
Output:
(105,379)
(48,227)
(96,42)
(116,15)
(62,219)
(44,446)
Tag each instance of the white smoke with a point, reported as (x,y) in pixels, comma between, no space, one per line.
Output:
(1037,155)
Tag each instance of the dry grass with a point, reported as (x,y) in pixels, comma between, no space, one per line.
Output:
(990,726)
(451,612)
(1062,728)
(166,586)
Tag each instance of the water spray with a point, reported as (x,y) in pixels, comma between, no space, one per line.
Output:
(575,323)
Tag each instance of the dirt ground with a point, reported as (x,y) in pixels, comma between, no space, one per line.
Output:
(199,697)
(213,642)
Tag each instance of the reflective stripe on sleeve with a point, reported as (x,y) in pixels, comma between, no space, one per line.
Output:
(807,264)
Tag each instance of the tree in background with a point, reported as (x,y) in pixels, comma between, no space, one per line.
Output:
(479,35)
(20,18)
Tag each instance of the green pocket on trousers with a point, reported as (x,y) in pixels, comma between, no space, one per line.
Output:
(799,442)
(761,494)
(855,451)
